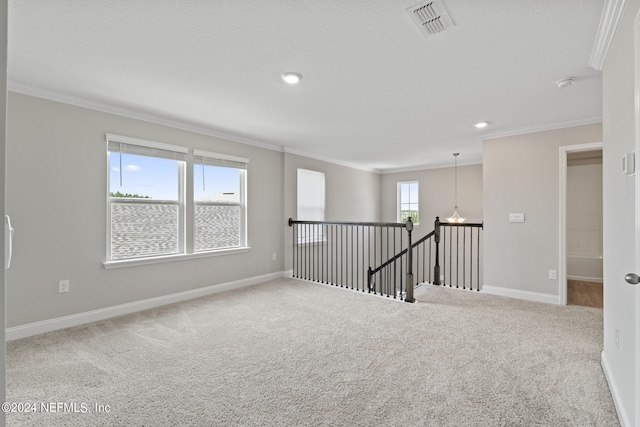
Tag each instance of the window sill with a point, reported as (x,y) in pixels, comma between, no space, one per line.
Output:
(168,258)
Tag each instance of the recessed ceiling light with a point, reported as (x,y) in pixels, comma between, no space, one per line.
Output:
(292,78)
(481,125)
(567,81)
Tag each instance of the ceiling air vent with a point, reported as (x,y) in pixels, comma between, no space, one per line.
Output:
(430,17)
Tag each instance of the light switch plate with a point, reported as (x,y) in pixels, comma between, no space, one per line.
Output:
(516,217)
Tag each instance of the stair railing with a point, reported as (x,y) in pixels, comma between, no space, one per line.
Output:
(338,253)
(342,253)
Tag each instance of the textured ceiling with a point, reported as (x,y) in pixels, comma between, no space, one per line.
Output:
(375,92)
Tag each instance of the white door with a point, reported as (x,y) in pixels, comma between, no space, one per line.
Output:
(621,355)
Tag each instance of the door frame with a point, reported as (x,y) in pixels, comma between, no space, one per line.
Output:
(636,45)
(562,212)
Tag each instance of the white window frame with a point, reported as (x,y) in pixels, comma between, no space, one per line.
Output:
(399,200)
(185,203)
(210,158)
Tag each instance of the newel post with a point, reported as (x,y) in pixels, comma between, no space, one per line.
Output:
(436,238)
(409,285)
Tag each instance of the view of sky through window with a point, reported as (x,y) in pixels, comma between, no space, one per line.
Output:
(144,176)
(216,183)
(158,179)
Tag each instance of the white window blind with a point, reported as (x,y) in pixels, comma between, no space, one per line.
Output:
(208,158)
(141,147)
(311,204)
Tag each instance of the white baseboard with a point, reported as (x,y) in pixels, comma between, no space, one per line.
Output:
(586,279)
(615,394)
(41,327)
(525,295)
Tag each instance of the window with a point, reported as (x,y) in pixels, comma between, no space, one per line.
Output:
(148,201)
(219,213)
(408,202)
(310,204)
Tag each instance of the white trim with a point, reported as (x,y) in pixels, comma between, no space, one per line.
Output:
(636,44)
(426,167)
(146,143)
(611,14)
(399,199)
(623,418)
(524,295)
(332,161)
(41,327)
(542,128)
(562,211)
(136,114)
(108,265)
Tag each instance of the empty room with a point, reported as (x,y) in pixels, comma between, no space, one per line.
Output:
(380,213)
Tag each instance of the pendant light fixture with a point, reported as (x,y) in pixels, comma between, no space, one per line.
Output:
(456,216)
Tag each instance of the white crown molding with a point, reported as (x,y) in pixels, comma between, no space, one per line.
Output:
(611,14)
(427,167)
(541,128)
(333,161)
(205,130)
(135,114)
(165,121)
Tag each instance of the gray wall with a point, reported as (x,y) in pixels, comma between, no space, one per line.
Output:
(621,310)
(436,194)
(521,175)
(350,194)
(56,184)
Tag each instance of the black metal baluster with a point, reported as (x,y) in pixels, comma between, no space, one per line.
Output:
(450,257)
(352,254)
(294,250)
(334,276)
(471,261)
(457,256)
(464,257)
(321,261)
(478,263)
(430,245)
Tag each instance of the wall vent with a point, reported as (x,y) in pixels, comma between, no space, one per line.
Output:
(430,17)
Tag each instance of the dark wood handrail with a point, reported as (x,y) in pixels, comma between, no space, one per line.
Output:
(368,224)
(400,254)
(462,224)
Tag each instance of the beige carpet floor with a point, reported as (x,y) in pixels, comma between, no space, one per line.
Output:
(293,353)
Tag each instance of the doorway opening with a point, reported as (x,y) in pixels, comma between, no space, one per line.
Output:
(581,255)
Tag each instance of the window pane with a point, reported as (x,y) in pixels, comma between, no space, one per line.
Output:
(218,209)
(216,184)
(409,196)
(217,227)
(142,176)
(141,229)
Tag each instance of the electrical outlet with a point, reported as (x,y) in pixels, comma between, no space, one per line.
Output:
(274,256)
(63,286)
(553,274)
(617,339)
